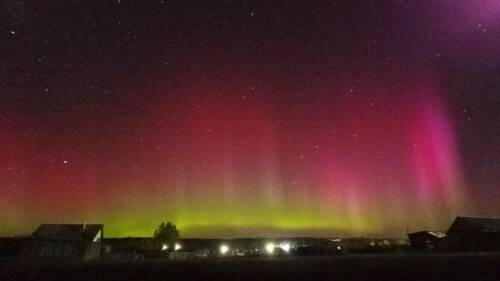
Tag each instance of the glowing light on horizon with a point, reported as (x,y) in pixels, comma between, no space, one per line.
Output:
(285,246)
(224,249)
(270,248)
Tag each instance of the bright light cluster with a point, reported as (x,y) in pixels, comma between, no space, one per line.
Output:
(224,249)
(270,248)
(285,246)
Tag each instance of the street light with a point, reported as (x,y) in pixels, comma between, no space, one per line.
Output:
(224,249)
(285,247)
(270,248)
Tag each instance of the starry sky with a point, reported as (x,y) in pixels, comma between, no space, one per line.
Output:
(249,118)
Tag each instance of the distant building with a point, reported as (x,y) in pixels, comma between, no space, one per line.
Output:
(131,248)
(464,234)
(474,234)
(426,240)
(68,242)
(369,245)
(132,243)
(141,248)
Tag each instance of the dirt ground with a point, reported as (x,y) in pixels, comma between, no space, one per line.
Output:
(350,267)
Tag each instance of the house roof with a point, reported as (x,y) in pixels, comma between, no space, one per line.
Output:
(468,224)
(69,232)
(435,234)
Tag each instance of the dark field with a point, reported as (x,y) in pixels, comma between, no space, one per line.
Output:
(354,267)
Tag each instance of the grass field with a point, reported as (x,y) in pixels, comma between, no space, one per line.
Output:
(352,267)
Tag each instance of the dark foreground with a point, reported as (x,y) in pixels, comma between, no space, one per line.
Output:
(356,267)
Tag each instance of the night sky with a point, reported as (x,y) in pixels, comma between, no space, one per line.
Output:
(249,118)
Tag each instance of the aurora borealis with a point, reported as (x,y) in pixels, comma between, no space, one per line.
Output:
(245,118)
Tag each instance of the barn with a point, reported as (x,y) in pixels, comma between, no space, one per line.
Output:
(426,240)
(474,234)
(64,242)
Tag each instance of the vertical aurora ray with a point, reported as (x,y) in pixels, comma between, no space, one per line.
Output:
(434,154)
(14,160)
(395,162)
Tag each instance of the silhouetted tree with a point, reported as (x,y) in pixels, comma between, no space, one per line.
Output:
(167,233)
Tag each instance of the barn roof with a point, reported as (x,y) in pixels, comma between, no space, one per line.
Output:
(469,224)
(69,232)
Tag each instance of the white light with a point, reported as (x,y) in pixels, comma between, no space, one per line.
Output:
(339,248)
(224,249)
(270,248)
(164,247)
(177,246)
(285,247)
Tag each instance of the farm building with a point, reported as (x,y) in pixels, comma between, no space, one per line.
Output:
(131,248)
(70,232)
(132,243)
(11,247)
(474,234)
(68,242)
(139,248)
(426,240)
(368,245)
